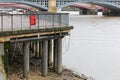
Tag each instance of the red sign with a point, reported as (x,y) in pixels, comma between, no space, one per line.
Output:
(32,19)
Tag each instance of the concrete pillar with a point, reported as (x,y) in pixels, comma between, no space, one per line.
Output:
(52,6)
(26,59)
(50,53)
(45,58)
(55,55)
(59,56)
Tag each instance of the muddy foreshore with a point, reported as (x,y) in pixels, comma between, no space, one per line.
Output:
(15,72)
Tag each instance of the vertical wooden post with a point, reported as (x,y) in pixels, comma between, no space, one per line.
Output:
(49,53)
(2,49)
(55,54)
(26,59)
(31,47)
(38,49)
(45,58)
(59,55)
(34,46)
(2,70)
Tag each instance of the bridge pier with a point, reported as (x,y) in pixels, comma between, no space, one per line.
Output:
(52,6)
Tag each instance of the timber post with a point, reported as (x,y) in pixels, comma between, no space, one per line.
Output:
(26,60)
(50,53)
(2,70)
(45,58)
(38,49)
(55,54)
(59,56)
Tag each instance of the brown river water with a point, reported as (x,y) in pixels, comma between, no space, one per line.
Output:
(93,47)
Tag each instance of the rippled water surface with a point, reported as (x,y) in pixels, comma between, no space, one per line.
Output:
(94,47)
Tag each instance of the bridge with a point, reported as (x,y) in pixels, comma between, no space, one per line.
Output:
(113,5)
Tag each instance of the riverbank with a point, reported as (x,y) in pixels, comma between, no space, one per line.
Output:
(15,72)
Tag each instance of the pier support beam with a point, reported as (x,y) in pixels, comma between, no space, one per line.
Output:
(55,54)
(2,70)
(26,59)
(35,48)
(2,49)
(50,53)
(59,56)
(38,49)
(45,58)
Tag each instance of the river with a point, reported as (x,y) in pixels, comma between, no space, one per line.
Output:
(94,48)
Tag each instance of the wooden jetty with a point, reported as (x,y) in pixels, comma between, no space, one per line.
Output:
(41,32)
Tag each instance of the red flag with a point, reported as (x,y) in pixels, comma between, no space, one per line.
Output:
(32,19)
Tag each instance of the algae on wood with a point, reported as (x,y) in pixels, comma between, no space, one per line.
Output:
(2,69)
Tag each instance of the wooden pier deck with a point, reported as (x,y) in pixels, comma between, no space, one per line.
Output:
(44,36)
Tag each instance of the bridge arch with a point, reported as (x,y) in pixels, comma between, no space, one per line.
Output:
(26,3)
(112,7)
(108,5)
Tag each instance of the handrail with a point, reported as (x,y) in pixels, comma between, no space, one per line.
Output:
(12,22)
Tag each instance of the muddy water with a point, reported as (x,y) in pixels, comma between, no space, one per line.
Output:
(94,48)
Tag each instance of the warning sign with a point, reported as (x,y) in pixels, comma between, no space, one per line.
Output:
(32,20)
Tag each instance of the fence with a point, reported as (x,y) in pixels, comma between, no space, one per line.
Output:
(12,22)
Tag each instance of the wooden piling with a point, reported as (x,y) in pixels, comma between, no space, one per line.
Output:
(2,49)
(55,55)
(59,56)
(26,60)
(50,53)
(31,46)
(2,70)
(45,58)
(34,46)
(38,49)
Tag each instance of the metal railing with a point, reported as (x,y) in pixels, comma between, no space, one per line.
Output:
(12,22)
